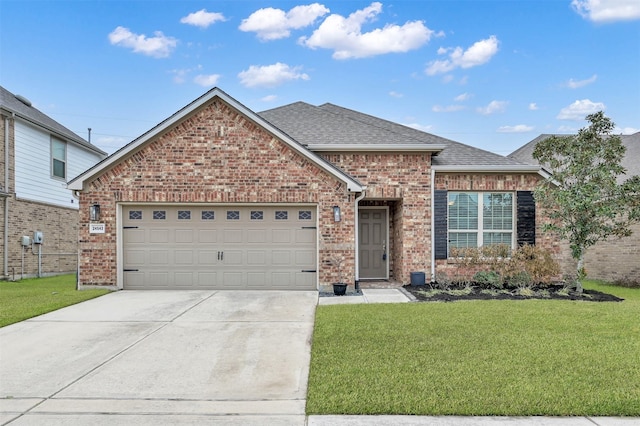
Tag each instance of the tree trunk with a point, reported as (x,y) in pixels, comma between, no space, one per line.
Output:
(580,273)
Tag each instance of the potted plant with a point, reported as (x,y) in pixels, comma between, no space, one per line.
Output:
(339,288)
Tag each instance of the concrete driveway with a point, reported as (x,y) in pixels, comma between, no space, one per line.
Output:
(161,357)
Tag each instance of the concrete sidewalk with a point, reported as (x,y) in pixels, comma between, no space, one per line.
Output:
(378,295)
(468,421)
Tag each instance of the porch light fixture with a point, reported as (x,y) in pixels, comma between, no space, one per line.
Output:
(94,213)
(336,213)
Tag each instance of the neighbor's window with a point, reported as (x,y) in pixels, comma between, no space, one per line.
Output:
(479,219)
(58,158)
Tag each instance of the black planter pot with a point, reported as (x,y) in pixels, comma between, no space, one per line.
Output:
(339,289)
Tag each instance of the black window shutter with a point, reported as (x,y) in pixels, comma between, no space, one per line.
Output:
(526,218)
(440,230)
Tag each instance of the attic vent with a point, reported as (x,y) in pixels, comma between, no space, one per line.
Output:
(24,100)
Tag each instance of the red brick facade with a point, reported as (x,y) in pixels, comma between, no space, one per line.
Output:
(216,155)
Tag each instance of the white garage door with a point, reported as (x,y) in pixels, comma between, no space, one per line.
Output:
(214,247)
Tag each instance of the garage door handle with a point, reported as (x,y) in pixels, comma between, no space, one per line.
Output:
(131,270)
(129,227)
(220,255)
(309,270)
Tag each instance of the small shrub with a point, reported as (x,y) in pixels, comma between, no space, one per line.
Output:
(488,278)
(443,282)
(519,280)
(627,282)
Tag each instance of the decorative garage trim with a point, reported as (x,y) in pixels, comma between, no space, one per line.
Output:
(78,182)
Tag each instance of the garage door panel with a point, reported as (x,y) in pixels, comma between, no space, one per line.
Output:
(183,279)
(232,236)
(219,247)
(281,236)
(232,258)
(184,257)
(134,257)
(207,236)
(159,236)
(256,257)
(133,236)
(184,236)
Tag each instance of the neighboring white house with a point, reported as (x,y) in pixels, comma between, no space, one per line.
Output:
(39,215)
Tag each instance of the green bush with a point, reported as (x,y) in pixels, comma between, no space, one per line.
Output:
(489,278)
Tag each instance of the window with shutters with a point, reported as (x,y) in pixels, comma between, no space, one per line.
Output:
(477,219)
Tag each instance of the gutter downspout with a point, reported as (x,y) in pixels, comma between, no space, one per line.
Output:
(357,225)
(433,223)
(5,260)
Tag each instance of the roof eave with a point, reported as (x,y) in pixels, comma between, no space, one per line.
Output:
(376,147)
(524,168)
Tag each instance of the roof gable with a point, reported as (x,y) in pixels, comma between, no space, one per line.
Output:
(134,146)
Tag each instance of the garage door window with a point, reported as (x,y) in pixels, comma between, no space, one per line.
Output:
(184,214)
(233,215)
(304,215)
(135,214)
(257,215)
(159,215)
(208,215)
(282,215)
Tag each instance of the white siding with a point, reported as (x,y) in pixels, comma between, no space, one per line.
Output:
(34,180)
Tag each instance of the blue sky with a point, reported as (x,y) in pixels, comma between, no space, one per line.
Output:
(491,74)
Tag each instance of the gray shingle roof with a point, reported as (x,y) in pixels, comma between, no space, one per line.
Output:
(631,160)
(11,104)
(330,124)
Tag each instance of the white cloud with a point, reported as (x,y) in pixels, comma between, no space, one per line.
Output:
(206,80)
(573,84)
(462,97)
(580,109)
(270,75)
(607,10)
(479,53)
(269,98)
(395,94)
(420,127)
(345,36)
(493,107)
(202,18)
(518,128)
(626,130)
(180,75)
(533,106)
(159,46)
(448,108)
(273,24)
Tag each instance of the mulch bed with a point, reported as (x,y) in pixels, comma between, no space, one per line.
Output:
(431,293)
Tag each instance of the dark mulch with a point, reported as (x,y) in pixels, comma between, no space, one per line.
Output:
(432,293)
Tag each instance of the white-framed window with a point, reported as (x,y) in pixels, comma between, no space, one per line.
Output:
(58,158)
(477,219)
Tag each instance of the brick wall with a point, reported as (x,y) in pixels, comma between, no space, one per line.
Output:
(505,182)
(404,179)
(216,155)
(617,259)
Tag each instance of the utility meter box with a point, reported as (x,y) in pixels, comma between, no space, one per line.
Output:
(37,237)
(25,241)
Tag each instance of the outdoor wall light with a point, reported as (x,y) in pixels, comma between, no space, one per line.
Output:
(94,213)
(336,213)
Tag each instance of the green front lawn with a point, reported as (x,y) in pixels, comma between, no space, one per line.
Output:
(516,358)
(25,299)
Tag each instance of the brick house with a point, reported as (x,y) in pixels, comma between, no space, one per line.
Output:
(297,197)
(38,156)
(616,259)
